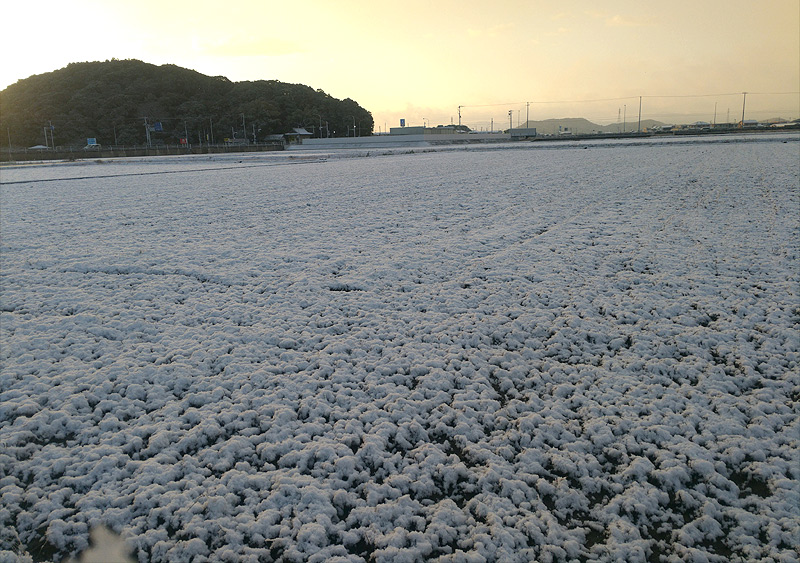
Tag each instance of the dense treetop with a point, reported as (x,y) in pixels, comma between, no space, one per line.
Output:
(110,101)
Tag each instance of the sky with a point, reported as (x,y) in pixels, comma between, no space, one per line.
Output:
(422,60)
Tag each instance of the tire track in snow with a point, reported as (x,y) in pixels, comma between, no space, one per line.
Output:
(160,172)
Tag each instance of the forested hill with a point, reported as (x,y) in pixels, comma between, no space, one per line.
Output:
(110,101)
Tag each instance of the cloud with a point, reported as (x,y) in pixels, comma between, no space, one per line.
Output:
(493,31)
(617,20)
(559,31)
(620,21)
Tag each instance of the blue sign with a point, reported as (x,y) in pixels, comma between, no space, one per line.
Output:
(91,141)
(402,123)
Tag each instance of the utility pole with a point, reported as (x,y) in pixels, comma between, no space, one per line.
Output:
(527,113)
(147,131)
(639,129)
(510,119)
(459,115)
(744,98)
(625,118)
(714,123)
(51,144)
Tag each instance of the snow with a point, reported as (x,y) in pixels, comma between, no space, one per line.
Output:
(553,351)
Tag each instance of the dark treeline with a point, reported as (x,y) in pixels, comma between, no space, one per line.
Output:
(110,101)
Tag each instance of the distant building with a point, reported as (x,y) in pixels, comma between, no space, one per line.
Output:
(523,133)
(297,135)
(421,130)
(416,130)
(450,129)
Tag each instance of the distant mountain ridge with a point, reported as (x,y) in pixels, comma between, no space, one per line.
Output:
(121,101)
(579,125)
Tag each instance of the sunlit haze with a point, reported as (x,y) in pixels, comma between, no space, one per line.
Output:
(422,59)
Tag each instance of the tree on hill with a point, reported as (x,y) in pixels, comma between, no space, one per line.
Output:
(115,101)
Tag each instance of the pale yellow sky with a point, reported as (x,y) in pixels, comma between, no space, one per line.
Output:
(421,59)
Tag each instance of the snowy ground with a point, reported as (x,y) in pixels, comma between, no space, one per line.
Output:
(538,352)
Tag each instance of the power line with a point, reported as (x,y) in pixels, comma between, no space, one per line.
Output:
(773,93)
(629,98)
(586,101)
(727,94)
(651,97)
(693,95)
(492,105)
(549,102)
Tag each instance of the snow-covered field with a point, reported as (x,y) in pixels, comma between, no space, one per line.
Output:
(514,353)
